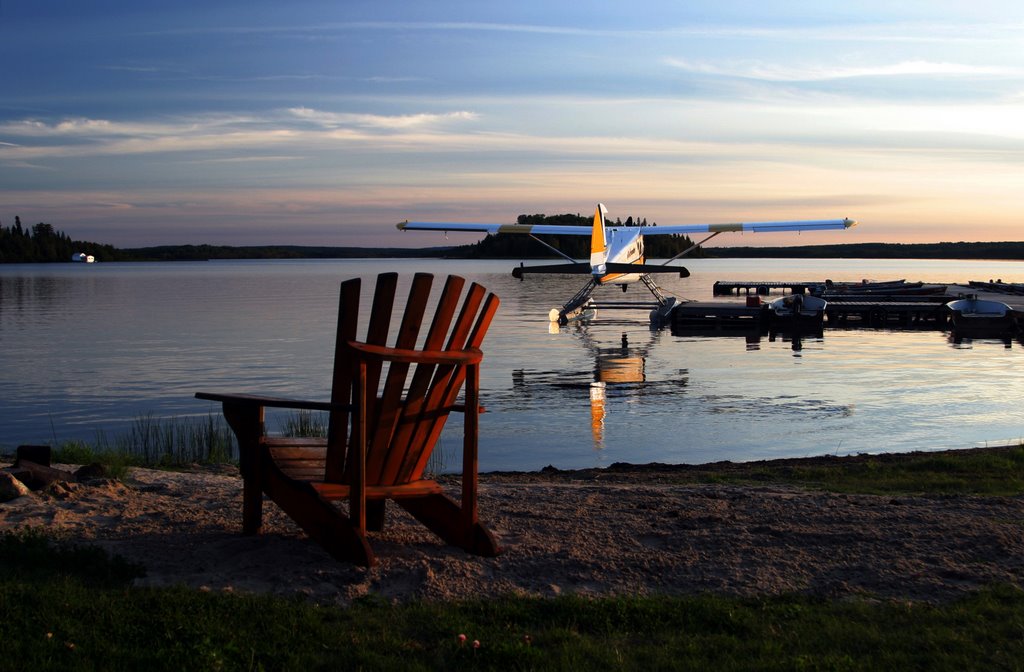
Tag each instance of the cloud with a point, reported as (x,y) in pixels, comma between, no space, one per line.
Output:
(780,73)
(298,128)
(377,121)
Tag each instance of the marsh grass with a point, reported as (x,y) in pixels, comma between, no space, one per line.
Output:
(73,609)
(156,442)
(306,424)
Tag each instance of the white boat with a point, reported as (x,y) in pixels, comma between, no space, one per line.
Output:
(798,306)
(974,314)
(82,257)
(797,311)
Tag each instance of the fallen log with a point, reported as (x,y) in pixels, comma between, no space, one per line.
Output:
(38,476)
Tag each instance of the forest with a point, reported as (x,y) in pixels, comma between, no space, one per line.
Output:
(42,243)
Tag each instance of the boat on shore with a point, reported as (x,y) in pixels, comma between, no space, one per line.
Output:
(872,288)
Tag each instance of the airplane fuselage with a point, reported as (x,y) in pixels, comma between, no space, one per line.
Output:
(625,246)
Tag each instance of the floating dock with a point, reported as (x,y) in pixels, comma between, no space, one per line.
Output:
(922,307)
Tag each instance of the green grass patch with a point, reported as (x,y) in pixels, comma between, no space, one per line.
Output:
(307,424)
(174,442)
(979,471)
(71,609)
(154,442)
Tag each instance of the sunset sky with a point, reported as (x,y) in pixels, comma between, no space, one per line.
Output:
(325,123)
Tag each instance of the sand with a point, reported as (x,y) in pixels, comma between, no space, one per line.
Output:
(589,533)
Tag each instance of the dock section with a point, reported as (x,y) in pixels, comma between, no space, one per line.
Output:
(895,305)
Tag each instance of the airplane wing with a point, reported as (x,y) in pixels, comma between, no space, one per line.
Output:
(555,229)
(496,228)
(754,227)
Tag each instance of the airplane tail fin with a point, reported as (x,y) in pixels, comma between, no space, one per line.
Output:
(598,241)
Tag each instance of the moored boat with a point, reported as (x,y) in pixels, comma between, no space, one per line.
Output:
(797,310)
(980,316)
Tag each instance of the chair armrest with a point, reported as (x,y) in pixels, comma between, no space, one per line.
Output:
(271,402)
(449,357)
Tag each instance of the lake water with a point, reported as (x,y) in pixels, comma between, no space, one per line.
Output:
(91,348)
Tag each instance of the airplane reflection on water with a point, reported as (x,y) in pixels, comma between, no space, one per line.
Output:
(619,371)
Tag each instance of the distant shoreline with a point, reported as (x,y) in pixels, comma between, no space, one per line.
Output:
(997,251)
(1010,251)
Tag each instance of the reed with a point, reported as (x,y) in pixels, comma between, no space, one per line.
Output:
(305,424)
(156,442)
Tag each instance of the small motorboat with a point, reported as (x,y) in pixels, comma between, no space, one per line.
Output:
(798,310)
(974,315)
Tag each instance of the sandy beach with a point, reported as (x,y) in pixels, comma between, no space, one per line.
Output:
(591,533)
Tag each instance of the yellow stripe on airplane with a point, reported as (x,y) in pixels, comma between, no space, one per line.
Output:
(597,242)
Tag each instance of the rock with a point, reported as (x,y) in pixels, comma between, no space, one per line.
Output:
(61,489)
(10,487)
(90,472)
(38,454)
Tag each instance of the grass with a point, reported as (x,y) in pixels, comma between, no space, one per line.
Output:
(980,471)
(155,442)
(72,609)
(305,423)
(172,442)
(69,608)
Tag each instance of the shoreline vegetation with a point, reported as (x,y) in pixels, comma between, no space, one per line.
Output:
(42,243)
(175,443)
(54,592)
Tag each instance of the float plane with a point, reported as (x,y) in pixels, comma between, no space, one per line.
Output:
(617,253)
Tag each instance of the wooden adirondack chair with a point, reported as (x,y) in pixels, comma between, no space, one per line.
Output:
(380,434)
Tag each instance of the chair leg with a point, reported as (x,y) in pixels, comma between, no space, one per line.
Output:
(246,421)
(375,510)
(444,518)
(320,519)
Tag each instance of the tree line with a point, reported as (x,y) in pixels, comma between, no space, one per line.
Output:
(995,250)
(43,243)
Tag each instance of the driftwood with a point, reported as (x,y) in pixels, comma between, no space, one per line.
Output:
(38,476)
(32,468)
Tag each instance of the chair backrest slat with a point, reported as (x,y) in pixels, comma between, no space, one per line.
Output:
(452,386)
(406,439)
(383,418)
(341,385)
(403,421)
(380,325)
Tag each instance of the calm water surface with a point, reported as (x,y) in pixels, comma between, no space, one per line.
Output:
(92,348)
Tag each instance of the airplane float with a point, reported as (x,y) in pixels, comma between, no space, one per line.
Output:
(617,253)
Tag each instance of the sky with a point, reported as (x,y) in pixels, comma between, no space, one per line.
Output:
(250,122)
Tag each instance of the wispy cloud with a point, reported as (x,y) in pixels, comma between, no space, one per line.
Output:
(378,121)
(297,128)
(864,31)
(772,72)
